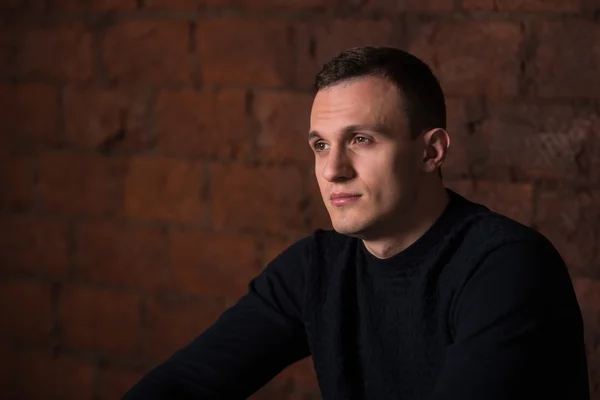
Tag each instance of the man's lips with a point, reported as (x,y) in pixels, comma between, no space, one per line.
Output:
(342,199)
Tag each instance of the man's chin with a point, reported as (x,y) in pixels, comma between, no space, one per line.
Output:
(368,227)
(354,229)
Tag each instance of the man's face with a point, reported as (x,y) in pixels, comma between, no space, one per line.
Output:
(366,164)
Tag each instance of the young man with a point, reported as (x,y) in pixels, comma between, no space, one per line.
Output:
(417,293)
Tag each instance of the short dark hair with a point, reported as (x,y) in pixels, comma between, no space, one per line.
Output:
(422,93)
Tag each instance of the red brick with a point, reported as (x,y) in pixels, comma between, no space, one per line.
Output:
(471,57)
(98,319)
(515,200)
(588,295)
(594,378)
(147,51)
(26,311)
(112,382)
(34,245)
(302,394)
(321,40)
(257,198)
(95,5)
(302,373)
(187,5)
(591,159)
(61,52)
(263,55)
(191,5)
(95,118)
(29,116)
(164,189)
(591,5)
(122,255)
(293,5)
(284,120)
(207,123)
(274,247)
(36,5)
(272,390)
(478,5)
(569,219)
(559,6)
(391,6)
(533,140)
(5,146)
(76,183)
(172,324)
(463,115)
(42,376)
(213,265)
(6,60)
(12,4)
(7,371)
(18,183)
(318,216)
(552,68)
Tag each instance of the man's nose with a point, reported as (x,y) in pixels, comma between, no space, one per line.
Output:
(338,166)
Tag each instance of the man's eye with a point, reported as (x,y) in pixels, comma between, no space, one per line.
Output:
(320,146)
(362,140)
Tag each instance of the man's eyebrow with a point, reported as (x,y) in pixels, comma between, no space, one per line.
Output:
(377,128)
(351,129)
(313,134)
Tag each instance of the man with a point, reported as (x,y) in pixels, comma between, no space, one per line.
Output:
(417,293)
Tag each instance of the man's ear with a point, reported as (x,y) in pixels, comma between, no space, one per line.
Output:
(435,147)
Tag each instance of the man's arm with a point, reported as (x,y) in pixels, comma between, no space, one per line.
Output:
(246,347)
(518,331)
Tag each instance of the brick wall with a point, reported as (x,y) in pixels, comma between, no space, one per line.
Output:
(153,160)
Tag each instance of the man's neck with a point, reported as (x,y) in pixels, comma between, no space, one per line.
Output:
(428,207)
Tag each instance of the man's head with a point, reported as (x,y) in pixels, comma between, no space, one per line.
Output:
(377,128)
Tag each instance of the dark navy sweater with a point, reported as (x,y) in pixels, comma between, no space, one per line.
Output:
(479,308)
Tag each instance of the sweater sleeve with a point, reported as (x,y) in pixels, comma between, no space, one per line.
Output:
(518,330)
(247,346)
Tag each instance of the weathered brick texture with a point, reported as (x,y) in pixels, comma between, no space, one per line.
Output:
(153,160)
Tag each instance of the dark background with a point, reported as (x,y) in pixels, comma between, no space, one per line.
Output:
(153,159)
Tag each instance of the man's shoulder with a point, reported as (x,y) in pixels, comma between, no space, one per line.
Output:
(495,235)
(490,230)
(498,250)
(482,228)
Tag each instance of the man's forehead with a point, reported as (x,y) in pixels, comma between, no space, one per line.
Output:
(367,101)
(368,85)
